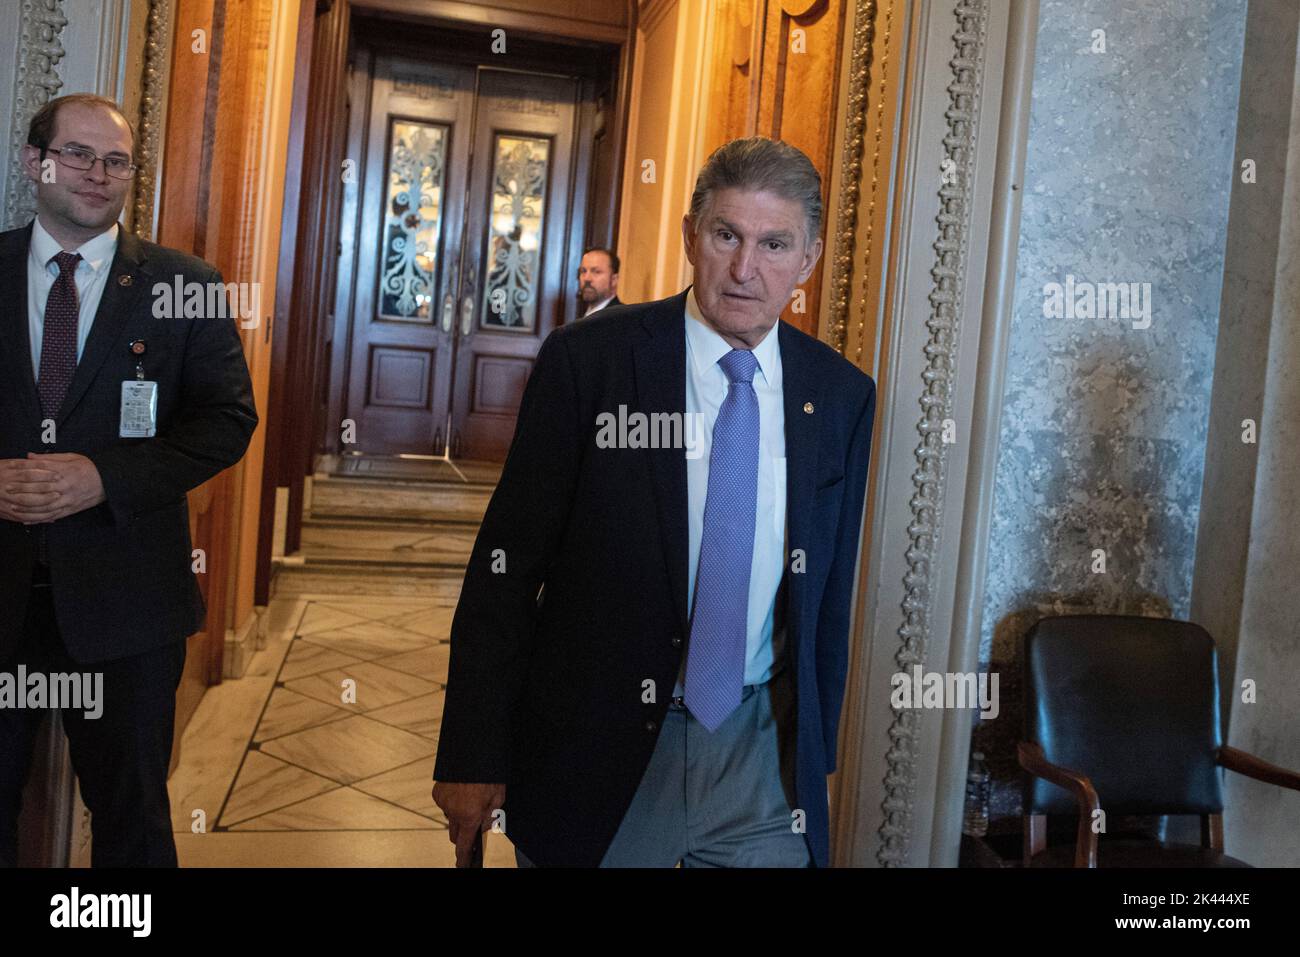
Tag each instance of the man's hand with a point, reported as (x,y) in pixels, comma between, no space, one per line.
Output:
(48,487)
(468,808)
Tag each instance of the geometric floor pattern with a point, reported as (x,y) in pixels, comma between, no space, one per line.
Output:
(347,737)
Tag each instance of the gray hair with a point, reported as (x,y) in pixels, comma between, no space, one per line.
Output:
(761,164)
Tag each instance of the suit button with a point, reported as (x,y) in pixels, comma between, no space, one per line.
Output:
(651,726)
(677,642)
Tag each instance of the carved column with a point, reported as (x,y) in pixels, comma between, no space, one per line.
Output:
(929,320)
(33,64)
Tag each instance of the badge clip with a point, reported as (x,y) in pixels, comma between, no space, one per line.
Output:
(138,348)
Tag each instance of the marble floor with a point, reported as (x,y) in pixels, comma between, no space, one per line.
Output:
(322,754)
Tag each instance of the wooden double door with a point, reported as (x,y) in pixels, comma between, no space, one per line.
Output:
(462,217)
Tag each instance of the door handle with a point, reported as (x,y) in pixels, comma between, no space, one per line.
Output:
(448,307)
(466,316)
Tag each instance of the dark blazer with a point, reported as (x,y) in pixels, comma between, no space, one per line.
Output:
(121,571)
(545,692)
(615,301)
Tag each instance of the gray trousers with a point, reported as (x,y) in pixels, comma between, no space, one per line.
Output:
(720,799)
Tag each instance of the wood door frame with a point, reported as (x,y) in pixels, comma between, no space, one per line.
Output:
(300,403)
(184,205)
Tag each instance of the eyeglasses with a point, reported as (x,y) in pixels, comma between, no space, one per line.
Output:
(74,157)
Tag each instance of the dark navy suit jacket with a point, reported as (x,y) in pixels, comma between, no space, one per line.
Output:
(545,692)
(121,572)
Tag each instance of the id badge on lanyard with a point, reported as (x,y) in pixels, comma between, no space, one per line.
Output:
(139,414)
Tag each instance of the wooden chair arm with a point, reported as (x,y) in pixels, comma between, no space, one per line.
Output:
(1246,763)
(1033,760)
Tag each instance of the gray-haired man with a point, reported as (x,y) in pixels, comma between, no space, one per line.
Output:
(674,695)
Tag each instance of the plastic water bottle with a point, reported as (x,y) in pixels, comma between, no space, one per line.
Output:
(975,822)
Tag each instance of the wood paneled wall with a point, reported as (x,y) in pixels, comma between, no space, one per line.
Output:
(182,224)
(603,20)
(732,80)
(219,181)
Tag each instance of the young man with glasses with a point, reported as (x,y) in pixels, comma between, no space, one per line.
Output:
(109,414)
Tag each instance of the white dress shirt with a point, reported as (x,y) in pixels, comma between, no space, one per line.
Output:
(706,388)
(92,272)
(596,307)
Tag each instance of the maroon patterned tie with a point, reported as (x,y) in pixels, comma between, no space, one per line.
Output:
(58,355)
(59,340)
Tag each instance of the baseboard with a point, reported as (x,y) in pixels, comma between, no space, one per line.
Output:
(241,645)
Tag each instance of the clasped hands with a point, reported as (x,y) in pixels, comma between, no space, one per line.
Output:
(47,487)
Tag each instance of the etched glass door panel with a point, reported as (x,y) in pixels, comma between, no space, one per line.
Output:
(413,206)
(518,207)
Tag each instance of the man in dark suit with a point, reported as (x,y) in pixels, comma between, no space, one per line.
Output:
(597,281)
(685,490)
(109,413)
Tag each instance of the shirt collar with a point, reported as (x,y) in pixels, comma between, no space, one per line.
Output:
(597,306)
(707,347)
(97,252)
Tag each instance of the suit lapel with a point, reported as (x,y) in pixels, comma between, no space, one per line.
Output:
(660,367)
(15,340)
(800,385)
(123,286)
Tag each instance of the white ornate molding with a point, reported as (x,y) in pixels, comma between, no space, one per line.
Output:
(36,81)
(949,255)
(929,480)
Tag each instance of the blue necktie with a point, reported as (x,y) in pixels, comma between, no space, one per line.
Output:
(715,663)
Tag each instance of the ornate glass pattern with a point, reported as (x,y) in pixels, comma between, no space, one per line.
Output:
(515,234)
(412,220)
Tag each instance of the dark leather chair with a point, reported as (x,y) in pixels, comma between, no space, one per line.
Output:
(1122,715)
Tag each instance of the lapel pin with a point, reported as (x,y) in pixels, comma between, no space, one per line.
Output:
(124,280)
(808,407)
